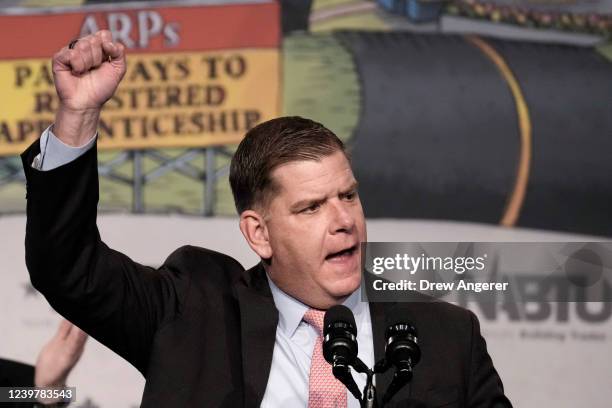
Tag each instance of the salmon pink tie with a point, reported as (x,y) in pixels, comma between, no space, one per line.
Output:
(324,390)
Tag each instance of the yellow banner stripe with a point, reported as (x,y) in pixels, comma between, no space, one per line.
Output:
(165,100)
(517,197)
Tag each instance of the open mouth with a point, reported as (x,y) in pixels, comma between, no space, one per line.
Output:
(342,254)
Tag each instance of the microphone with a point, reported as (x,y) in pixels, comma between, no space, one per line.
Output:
(401,351)
(340,345)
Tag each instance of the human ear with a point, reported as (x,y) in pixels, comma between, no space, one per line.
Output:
(255,231)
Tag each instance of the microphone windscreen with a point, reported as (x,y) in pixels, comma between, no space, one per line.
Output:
(400,314)
(339,314)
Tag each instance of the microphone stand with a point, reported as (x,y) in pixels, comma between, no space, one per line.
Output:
(369,391)
(342,371)
(401,377)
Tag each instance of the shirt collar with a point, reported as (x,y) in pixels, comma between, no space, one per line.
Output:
(291,311)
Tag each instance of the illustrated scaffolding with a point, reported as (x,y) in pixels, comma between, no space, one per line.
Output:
(12,172)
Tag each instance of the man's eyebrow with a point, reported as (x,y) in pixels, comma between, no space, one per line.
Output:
(307,202)
(354,185)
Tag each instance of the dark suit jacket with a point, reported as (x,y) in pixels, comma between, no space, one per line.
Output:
(14,374)
(200,328)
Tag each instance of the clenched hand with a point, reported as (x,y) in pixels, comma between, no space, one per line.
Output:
(85,78)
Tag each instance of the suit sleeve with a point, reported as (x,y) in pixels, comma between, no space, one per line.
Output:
(485,388)
(116,300)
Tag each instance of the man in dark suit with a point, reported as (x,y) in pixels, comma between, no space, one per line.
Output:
(201,329)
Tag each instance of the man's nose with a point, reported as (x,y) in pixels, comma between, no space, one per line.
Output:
(343,219)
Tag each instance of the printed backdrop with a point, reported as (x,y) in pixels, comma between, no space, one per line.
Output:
(463,118)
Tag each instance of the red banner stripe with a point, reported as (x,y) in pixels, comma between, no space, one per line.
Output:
(200,28)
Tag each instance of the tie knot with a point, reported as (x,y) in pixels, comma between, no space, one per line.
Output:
(314,318)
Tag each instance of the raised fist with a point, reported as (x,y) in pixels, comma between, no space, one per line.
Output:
(85,78)
(88,75)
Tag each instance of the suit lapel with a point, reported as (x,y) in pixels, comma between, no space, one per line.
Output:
(258,318)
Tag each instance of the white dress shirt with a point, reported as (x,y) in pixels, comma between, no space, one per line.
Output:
(295,339)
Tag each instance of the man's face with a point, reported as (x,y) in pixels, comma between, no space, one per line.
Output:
(315,224)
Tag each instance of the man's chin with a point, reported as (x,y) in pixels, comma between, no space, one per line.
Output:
(346,286)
